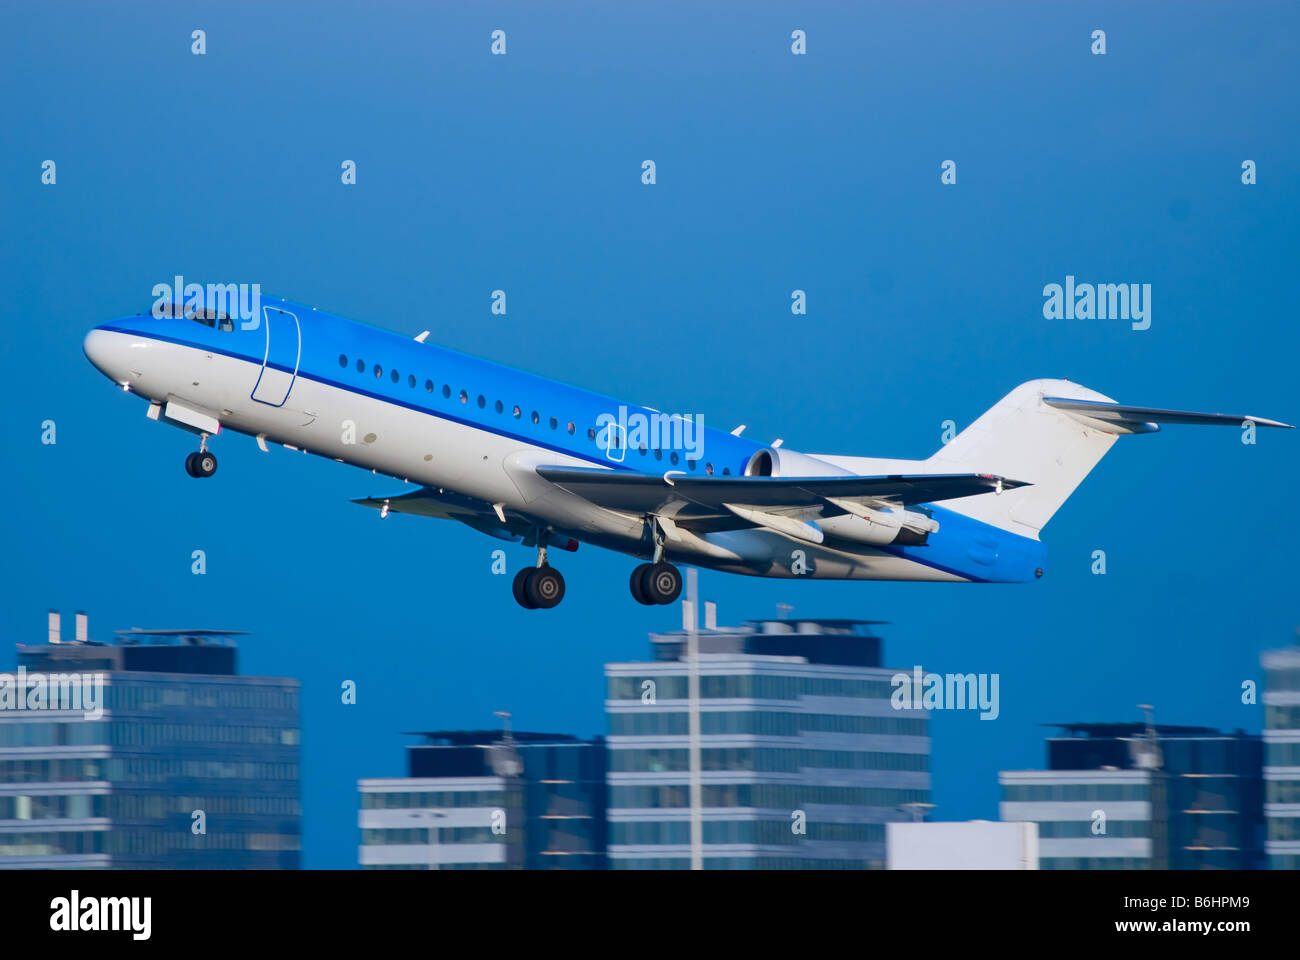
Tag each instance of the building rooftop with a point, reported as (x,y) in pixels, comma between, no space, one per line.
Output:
(839,642)
(1134,729)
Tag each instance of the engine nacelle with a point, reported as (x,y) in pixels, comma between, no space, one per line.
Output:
(779,462)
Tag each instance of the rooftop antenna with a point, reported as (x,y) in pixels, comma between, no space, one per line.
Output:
(1148,756)
(690,623)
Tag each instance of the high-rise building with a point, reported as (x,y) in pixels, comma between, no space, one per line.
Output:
(1282,756)
(481,799)
(803,758)
(150,751)
(1130,796)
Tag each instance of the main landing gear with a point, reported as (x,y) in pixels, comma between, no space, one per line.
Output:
(653,583)
(540,587)
(657,582)
(203,463)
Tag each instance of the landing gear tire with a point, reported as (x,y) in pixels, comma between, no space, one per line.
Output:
(520,588)
(201,464)
(544,587)
(637,584)
(655,583)
(662,583)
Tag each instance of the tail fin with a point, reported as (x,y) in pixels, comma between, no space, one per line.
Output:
(1049,433)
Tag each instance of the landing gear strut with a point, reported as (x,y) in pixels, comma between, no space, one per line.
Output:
(658,582)
(203,463)
(540,587)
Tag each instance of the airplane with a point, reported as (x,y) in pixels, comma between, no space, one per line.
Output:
(533,461)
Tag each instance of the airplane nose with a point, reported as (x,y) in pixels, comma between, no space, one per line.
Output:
(99,350)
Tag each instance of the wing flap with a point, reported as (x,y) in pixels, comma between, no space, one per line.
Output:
(796,499)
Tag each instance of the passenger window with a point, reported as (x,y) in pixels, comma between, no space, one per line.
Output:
(428,386)
(396,376)
(673,458)
(482,401)
(591,433)
(446,390)
(708,468)
(517,412)
(379,371)
(343,359)
(572,427)
(500,406)
(554,423)
(536,417)
(361,365)
(410,381)
(464,397)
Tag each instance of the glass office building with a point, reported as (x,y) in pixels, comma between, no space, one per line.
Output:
(181,763)
(1282,756)
(1126,796)
(478,799)
(803,758)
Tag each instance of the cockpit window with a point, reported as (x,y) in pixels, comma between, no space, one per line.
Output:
(209,318)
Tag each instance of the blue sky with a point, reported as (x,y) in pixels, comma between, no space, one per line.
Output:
(775,173)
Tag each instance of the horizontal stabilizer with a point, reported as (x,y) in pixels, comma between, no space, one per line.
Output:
(1127,416)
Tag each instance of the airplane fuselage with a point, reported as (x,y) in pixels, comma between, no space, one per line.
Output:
(454,423)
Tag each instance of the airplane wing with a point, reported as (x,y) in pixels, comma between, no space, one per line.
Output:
(445,505)
(724,502)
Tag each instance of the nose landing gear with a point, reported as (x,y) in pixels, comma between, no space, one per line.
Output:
(203,463)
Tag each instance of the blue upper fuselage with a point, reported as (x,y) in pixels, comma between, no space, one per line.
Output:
(484,395)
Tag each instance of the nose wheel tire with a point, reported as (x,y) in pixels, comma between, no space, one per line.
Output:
(201,464)
(538,588)
(655,583)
